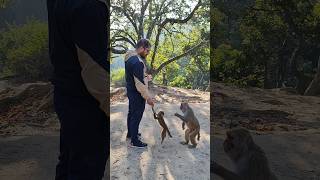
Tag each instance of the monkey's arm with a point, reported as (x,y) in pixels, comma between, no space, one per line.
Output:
(155,116)
(223,172)
(181,117)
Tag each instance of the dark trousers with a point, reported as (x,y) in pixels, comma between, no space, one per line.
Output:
(84,133)
(84,138)
(136,108)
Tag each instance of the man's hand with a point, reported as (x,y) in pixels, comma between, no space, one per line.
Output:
(150,101)
(149,77)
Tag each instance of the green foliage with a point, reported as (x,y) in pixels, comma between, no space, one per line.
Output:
(180,81)
(225,62)
(118,77)
(173,39)
(316,10)
(228,65)
(219,27)
(265,43)
(191,71)
(24,50)
(4,3)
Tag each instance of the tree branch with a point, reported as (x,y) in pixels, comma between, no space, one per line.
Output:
(156,18)
(172,21)
(314,87)
(125,39)
(129,36)
(179,56)
(181,21)
(118,51)
(140,20)
(265,10)
(171,39)
(130,18)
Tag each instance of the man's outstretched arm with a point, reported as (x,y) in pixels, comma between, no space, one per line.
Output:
(138,75)
(90,36)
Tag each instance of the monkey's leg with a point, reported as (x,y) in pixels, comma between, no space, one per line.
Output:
(163,134)
(199,136)
(186,136)
(193,138)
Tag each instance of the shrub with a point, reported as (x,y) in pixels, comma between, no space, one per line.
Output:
(118,77)
(24,50)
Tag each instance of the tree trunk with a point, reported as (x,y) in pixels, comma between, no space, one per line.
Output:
(302,79)
(291,66)
(271,73)
(314,87)
(164,79)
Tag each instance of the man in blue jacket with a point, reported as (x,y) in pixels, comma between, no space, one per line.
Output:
(137,89)
(78,48)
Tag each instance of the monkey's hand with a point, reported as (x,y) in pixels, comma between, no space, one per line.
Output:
(223,172)
(179,116)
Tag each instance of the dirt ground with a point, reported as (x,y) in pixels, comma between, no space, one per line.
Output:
(284,124)
(29,136)
(169,160)
(34,157)
(28,157)
(29,132)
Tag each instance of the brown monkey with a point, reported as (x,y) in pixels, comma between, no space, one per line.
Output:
(162,123)
(192,123)
(250,161)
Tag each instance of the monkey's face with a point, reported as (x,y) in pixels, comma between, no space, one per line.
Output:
(161,113)
(237,143)
(184,107)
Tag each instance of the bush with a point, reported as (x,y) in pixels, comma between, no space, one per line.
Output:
(24,50)
(230,66)
(180,81)
(118,77)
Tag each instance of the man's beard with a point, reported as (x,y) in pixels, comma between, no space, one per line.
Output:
(142,55)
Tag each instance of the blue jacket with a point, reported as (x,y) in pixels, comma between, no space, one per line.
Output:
(136,81)
(72,24)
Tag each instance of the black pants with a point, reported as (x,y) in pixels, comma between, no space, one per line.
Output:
(84,134)
(136,109)
(84,138)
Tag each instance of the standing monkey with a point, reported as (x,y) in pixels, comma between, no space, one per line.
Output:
(250,161)
(192,123)
(162,123)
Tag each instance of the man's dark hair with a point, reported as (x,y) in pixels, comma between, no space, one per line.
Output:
(143,43)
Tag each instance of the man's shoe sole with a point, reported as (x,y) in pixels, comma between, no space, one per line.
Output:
(139,138)
(132,146)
